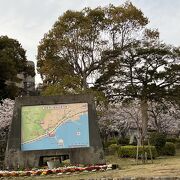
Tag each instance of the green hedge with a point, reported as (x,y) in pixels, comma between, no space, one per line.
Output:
(113,149)
(169,149)
(109,142)
(131,151)
(176,141)
(177,145)
(173,140)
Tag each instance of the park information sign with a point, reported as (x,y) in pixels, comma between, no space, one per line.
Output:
(53,127)
(56,126)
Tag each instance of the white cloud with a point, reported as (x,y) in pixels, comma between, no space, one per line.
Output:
(163,15)
(28,20)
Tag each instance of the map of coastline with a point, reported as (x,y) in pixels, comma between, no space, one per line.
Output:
(45,122)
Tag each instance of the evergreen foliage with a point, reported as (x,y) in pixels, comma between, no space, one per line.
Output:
(12,63)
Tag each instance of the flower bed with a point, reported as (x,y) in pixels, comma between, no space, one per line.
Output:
(58,171)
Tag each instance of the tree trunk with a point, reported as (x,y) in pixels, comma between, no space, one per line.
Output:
(144,115)
(84,83)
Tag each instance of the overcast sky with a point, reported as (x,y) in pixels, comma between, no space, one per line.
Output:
(28,20)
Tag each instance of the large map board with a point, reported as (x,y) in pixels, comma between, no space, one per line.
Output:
(56,126)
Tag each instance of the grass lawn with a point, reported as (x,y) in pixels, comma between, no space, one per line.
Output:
(162,166)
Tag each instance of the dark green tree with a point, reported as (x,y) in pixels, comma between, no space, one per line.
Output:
(148,70)
(12,62)
(125,22)
(70,54)
(71,48)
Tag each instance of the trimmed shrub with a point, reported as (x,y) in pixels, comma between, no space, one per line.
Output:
(109,142)
(131,151)
(176,142)
(113,149)
(158,140)
(123,141)
(169,149)
(173,140)
(177,145)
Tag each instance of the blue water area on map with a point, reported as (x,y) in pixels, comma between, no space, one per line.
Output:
(71,134)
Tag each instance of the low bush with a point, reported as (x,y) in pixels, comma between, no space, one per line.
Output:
(113,149)
(109,142)
(158,140)
(173,140)
(123,141)
(169,149)
(131,151)
(176,142)
(177,145)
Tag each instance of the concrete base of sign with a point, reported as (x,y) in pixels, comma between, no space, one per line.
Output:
(15,158)
(20,160)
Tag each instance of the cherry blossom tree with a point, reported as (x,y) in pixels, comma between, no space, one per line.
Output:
(119,119)
(6,113)
(164,117)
